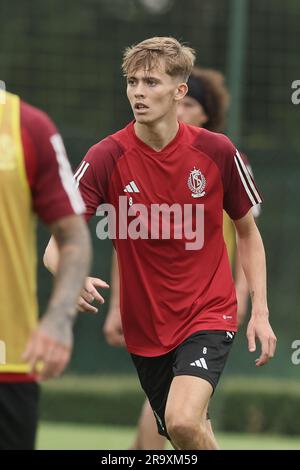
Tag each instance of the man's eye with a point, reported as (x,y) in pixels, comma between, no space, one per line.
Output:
(130,82)
(151,82)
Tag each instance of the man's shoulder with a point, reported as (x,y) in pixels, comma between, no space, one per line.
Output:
(112,146)
(107,147)
(209,142)
(34,118)
(217,147)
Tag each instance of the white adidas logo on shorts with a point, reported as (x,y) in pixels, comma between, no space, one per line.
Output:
(200,363)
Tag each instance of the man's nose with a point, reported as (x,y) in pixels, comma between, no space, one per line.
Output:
(139,91)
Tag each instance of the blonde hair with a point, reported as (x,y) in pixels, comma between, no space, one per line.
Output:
(178,59)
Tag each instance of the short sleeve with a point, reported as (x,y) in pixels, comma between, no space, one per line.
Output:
(88,183)
(240,191)
(54,193)
(94,172)
(256,210)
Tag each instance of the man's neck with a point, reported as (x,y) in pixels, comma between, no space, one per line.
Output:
(157,135)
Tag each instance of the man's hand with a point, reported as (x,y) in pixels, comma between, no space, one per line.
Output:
(49,348)
(89,293)
(113,330)
(253,260)
(260,327)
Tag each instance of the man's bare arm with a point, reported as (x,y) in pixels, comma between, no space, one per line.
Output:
(52,342)
(114,303)
(241,287)
(112,327)
(74,246)
(252,256)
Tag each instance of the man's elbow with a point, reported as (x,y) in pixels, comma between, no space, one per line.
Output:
(45,260)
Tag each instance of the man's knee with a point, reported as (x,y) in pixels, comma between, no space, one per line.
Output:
(183,429)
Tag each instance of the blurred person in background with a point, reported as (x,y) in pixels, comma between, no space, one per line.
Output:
(35,179)
(174,302)
(205,105)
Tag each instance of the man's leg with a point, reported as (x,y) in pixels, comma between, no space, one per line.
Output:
(211,433)
(186,411)
(180,383)
(147,437)
(198,365)
(156,375)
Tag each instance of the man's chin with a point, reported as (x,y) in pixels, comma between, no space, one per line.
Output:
(142,119)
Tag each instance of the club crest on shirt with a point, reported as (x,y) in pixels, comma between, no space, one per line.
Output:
(197,183)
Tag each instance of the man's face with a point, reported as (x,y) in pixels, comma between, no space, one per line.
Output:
(153,94)
(191,112)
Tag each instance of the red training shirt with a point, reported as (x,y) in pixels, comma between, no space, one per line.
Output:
(167,291)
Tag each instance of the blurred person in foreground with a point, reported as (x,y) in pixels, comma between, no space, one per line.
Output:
(178,301)
(35,179)
(205,105)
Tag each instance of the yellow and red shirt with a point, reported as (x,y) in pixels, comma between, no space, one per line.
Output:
(35,178)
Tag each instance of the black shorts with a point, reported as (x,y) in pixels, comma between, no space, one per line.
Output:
(203,354)
(18,415)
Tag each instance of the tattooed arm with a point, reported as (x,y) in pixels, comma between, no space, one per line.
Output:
(51,342)
(252,256)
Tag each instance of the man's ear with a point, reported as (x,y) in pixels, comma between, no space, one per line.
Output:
(181,91)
